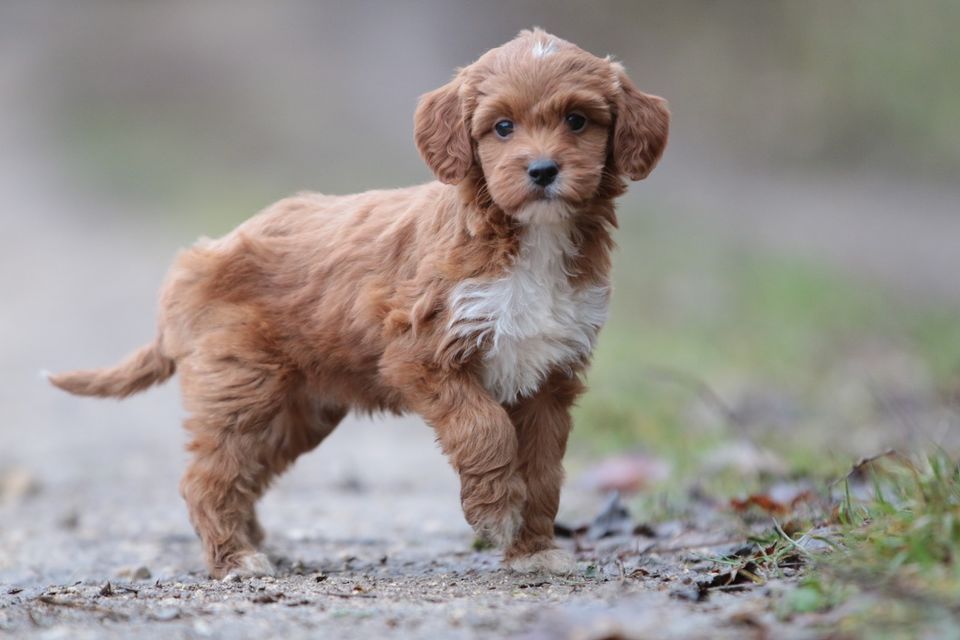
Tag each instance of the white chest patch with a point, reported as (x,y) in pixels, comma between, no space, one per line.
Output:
(532,319)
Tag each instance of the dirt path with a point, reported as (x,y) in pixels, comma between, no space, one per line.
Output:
(367,530)
(94,539)
(367,534)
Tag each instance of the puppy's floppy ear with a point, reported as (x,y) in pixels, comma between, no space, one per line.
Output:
(641,130)
(442,134)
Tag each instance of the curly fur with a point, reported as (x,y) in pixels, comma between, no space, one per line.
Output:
(474,300)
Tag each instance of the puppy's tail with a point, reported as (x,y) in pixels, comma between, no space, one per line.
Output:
(143,368)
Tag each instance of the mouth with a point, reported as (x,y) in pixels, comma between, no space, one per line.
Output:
(544,209)
(550,192)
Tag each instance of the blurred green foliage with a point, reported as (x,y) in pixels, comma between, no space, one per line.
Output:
(888,81)
(698,330)
(816,86)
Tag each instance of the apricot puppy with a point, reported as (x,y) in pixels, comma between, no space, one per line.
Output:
(474,301)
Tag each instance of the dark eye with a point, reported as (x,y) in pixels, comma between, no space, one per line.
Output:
(503,128)
(576,122)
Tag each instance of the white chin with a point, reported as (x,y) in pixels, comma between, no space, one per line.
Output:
(546,211)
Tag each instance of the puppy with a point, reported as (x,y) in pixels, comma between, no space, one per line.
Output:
(474,301)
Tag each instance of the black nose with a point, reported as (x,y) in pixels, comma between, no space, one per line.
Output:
(543,172)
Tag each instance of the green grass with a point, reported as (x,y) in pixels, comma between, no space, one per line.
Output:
(894,571)
(907,538)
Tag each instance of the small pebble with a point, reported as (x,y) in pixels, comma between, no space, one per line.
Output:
(165,614)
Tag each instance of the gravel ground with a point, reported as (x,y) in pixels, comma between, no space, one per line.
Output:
(94,540)
(369,540)
(367,530)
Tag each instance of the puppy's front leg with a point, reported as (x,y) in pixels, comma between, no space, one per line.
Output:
(480,440)
(543,423)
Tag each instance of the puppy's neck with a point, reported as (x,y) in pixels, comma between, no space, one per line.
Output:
(587,227)
(545,212)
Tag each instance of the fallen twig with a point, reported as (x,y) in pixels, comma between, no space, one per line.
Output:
(655,548)
(861,464)
(340,594)
(57,602)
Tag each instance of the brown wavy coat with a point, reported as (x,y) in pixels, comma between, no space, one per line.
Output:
(472,301)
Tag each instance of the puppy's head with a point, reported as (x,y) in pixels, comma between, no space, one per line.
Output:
(539,123)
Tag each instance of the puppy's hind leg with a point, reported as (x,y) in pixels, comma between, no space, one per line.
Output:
(301,425)
(220,486)
(248,425)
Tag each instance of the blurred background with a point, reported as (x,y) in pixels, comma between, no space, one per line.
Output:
(787,280)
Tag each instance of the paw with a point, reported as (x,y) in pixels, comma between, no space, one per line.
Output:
(556,561)
(249,566)
(497,518)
